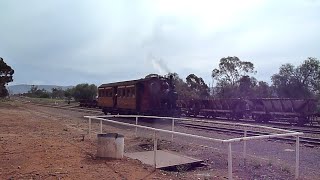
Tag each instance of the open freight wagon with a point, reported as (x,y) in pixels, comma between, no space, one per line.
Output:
(299,111)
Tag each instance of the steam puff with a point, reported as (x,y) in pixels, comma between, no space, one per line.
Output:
(159,65)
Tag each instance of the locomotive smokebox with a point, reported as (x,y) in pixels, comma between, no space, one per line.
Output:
(110,145)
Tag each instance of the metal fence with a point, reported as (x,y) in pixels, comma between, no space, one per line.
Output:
(245,138)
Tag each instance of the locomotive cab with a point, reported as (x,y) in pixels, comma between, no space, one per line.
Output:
(163,95)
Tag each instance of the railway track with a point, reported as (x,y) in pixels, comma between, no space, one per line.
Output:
(68,107)
(306,140)
(305,129)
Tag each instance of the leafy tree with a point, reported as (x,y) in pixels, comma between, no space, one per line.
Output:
(68,93)
(37,93)
(223,89)
(198,86)
(233,78)
(84,91)
(246,86)
(298,82)
(263,90)
(57,93)
(180,86)
(33,89)
(189,89)
(231,69)
(6,76)
(308,74)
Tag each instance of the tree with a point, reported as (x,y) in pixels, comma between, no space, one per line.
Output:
(198,86)
(223,89)
(246,86)
(6,76)
(231,69)
(308,74)
(298,82)
(180,86)
(263,90)
(85,91)
(233,78)
(68,93)
(38,93)
(57,93)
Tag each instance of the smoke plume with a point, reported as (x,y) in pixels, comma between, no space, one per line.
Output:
(159,65)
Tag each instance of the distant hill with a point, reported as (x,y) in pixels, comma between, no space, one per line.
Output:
(24,88)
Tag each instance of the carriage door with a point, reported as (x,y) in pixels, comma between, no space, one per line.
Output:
(114,96)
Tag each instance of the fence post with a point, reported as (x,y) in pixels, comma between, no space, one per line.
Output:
(245,146)
(172,128)
(101,126)
(229,161)
(155,144)
(297,158)
(89,127)
(136,131)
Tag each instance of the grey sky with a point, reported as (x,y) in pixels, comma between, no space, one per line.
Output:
(69,42)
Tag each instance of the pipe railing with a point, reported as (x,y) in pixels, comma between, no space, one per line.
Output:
(285,133)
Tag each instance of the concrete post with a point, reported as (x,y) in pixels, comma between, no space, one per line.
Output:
(155,144)
(245,146)
(101,126)
(89,127)
(172,129)
(297,157)
(229,161)
(136,131)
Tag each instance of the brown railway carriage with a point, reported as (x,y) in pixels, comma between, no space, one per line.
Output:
(148,96)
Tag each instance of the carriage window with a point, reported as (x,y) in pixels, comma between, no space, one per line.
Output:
(128,94)
(123,92)
(133,91)
(119,92)
(110,93)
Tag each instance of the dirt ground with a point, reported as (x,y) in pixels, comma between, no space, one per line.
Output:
(35,144)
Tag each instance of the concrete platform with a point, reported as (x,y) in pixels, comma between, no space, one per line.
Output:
(164,158)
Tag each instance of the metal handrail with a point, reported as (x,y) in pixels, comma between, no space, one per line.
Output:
(228,141)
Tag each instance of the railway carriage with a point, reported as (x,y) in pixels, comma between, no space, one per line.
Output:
(148,96)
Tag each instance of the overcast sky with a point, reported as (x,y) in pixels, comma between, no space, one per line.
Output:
(69,42)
